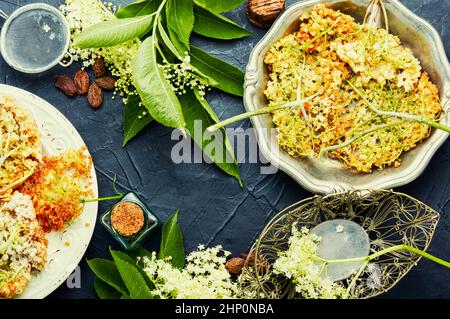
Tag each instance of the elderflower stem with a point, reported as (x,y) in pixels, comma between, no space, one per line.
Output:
(355,278)
(406,116)
(102,199)
(387,251)
(317,37)
(261,111)
(357,137)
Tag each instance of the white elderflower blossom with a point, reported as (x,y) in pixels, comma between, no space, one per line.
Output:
(298,264)
(203,277)
(81,14)
(182,77)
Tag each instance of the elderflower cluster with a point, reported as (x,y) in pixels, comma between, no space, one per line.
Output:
(181,76)
(81,14)
(203,277)
(298,264)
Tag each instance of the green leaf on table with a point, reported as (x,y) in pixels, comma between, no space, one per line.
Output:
(105,291)
(168,42)
(180,19)
(132,124)
(215,145)
(138,8)
(107,271)
(219,6)
(155,91)
(132,277)
(172,244)
(131,258)
(113,32)
(216,26)
(229,78)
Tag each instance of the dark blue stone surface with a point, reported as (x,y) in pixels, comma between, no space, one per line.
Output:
(214,209)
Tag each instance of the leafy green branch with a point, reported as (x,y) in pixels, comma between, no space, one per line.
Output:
(170,75)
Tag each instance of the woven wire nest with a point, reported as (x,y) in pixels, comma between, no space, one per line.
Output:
(389,218)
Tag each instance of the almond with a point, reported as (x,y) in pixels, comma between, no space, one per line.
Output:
(106,83)
(99,68)
(95,96)
(82,82)
(66,85)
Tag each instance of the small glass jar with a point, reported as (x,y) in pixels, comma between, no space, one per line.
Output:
(131,242)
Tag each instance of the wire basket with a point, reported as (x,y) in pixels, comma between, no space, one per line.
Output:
(389,218)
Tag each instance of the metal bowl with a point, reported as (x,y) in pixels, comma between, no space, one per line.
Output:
(389,219)
(330,176)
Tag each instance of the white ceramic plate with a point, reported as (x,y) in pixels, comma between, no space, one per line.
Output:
(66,248)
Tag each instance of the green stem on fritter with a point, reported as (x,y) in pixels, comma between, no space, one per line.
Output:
(261,111)
(358,137)
(102,199)
(320,35)
(405,116)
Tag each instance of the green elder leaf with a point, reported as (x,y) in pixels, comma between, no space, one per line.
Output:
(132,277)
(215,145)
(228,78)
(156,93)
(180,19)
(107,271)
(105,291)
(113,32)
(172,244)
(220,6)
(132,124)
(131,258)
(216,26)
(138,8)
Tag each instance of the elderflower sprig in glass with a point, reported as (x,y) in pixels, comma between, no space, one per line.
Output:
(301,264)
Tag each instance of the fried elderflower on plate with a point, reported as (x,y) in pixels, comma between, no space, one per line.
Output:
(23,247)
(58,187)
(20,146)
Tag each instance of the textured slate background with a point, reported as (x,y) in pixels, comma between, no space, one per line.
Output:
(214,209)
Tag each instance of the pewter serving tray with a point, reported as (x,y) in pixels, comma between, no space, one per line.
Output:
(330,176)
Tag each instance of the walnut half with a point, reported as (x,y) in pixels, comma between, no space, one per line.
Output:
(262,13)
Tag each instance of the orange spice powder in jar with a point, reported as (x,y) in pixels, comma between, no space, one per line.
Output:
(127,219)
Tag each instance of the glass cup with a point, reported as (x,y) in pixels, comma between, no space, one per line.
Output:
(132,242)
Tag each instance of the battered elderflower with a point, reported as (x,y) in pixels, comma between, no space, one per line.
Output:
(80,15)
(203,277)
(299,263)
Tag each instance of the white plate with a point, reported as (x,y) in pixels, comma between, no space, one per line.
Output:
(66,248)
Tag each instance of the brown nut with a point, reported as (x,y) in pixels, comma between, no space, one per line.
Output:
(235,265)
(82,82)
(65,85)
(262,13)
(95,96)
(99,68)
(106,83)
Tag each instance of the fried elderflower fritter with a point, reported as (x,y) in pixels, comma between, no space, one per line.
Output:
(20,147)
(331,56)
(58,187)
(23,247)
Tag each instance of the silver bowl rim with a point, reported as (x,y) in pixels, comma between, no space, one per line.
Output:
(307,180)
